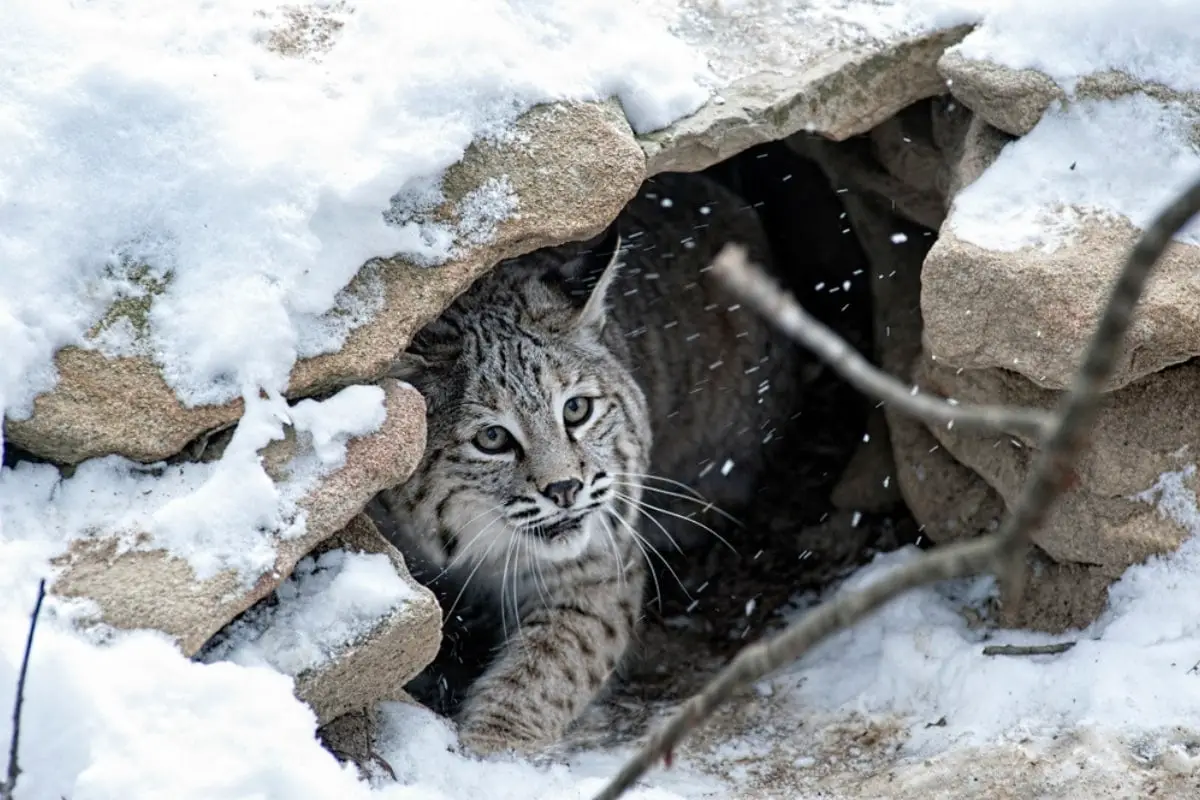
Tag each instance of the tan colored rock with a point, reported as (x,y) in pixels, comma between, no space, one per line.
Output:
(376,667)
(1034,312)
(1141,431)
(834,91)
(572,166)
(1059,597)
(971,153)
(151,589)
(1012,100)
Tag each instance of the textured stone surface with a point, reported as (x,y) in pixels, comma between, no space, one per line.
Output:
(374,668)
(151,589)
(1033,311)
(1012,100)
(835,92)
(573,167)
(1140,432)
(1059,597)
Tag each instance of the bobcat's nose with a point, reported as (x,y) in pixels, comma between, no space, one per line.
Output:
(563,493)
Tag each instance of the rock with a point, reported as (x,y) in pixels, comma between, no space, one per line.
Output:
(1140,432)
(1059,597)
(351,738)
(151,589)
(1012,100)
(828,89)
(868,483)
(572,166)
(971,152)
(369,667)
(1033,311)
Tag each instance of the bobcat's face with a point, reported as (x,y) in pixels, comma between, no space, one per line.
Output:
(536,433)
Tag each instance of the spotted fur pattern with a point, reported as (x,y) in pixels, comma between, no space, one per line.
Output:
(528,512)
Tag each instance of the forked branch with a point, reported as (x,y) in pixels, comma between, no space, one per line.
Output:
(1061,437)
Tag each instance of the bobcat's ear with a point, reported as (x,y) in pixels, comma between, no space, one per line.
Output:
(589,276)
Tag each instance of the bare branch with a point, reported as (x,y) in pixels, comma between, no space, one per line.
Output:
(1027,649)
(1001,553)
(764,294)
(10,785)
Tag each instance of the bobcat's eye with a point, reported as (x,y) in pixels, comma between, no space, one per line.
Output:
(493,439)
(577,410)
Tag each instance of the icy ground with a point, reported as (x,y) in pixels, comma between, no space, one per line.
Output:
(198,157)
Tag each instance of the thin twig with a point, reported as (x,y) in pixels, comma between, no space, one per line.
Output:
(1027,649)
(780,307)
(10,785)
(1001,553)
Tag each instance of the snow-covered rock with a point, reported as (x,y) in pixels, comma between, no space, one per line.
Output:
(139,581)
(565,173)
(350,625)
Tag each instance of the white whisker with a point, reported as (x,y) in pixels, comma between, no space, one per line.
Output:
(708,505)
(478,564)
(643,506)
(462,553)
(512,543)
(648,548)
(637,506)
(652,477)
(612,543)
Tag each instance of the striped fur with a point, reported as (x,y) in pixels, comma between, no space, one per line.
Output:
(655,346)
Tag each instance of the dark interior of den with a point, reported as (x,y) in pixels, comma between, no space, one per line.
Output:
(830,499)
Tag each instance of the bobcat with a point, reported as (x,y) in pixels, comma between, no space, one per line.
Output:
(580,399)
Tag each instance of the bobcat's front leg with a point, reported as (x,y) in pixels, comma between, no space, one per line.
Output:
(551,669)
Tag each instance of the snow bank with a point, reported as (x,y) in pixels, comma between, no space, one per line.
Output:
(217,515)
(1131,674)
(1150,40)
(168,149)
(168,156)
(1037,189)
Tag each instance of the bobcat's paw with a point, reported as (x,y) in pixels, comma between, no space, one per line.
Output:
(486,736)
(483,741)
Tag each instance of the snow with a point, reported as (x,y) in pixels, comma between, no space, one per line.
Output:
(1063,171)
(216,515)
(251,187)
(1150,40)
(198,182)
(1131,673)
(327,603)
